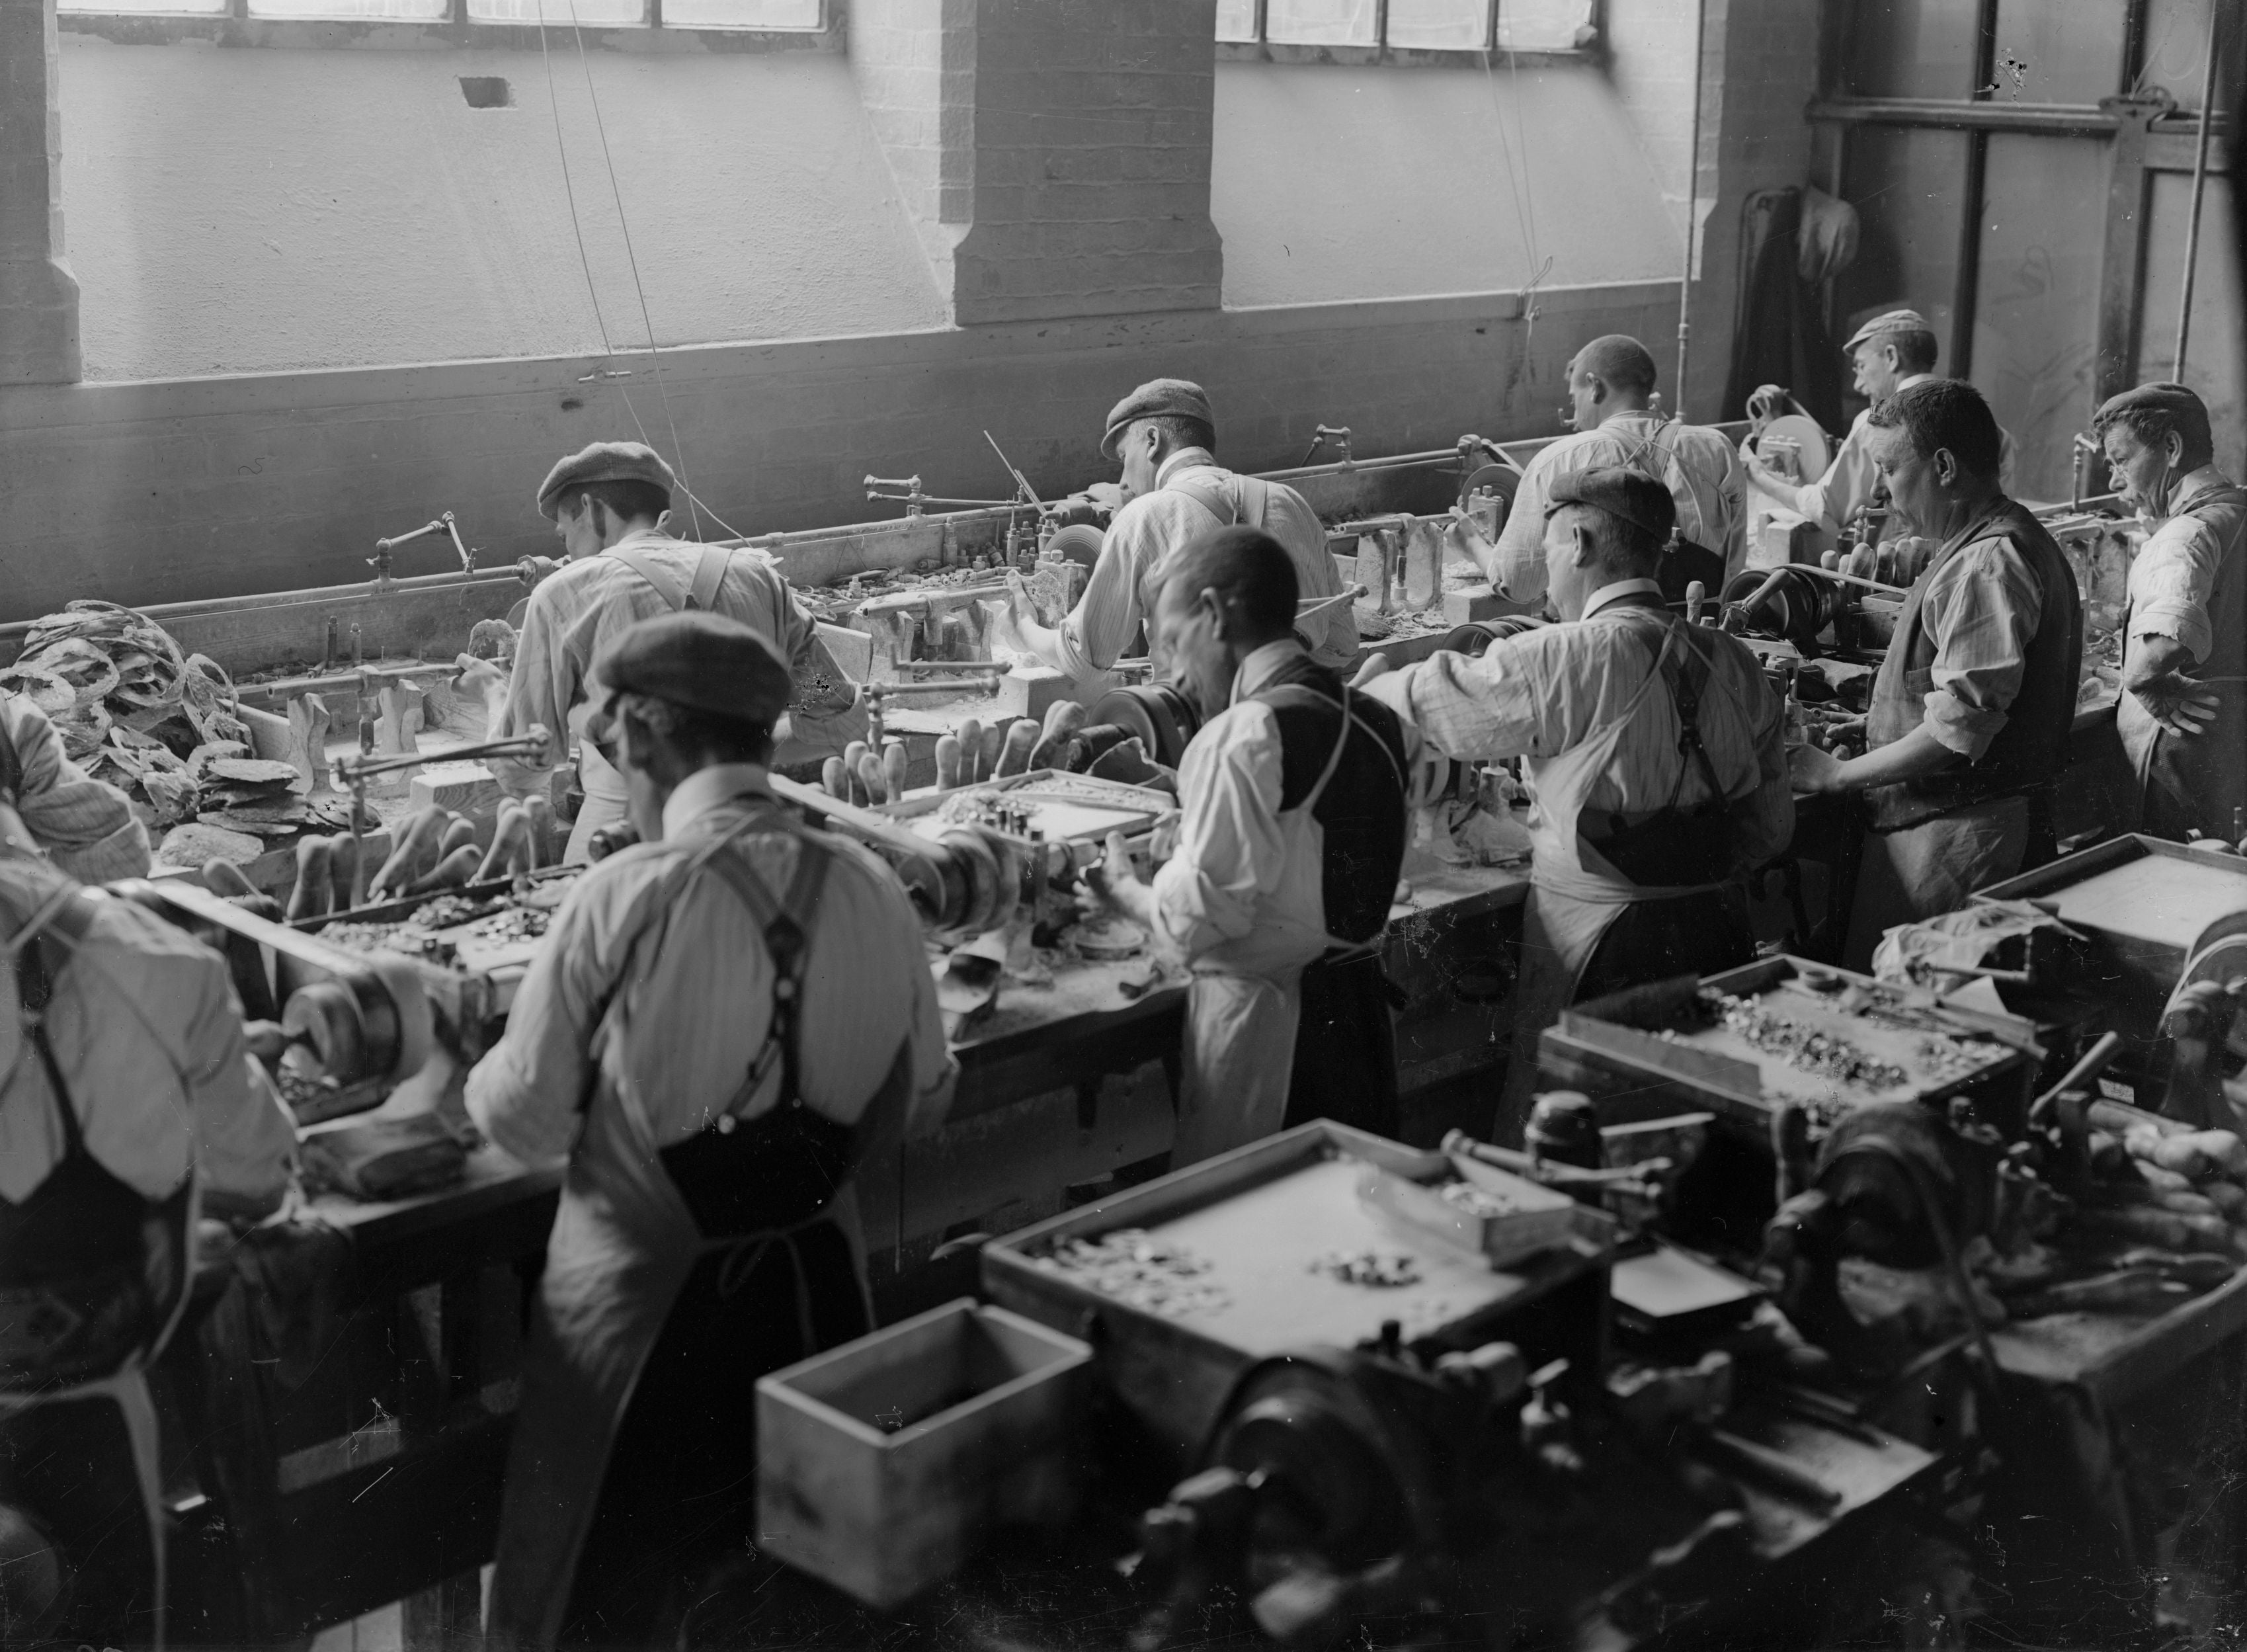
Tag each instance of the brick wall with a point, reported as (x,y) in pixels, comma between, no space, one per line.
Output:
(38,299)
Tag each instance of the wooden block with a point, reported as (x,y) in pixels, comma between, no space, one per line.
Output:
(1371,571)
(1472,603)
(466,789)
(308,722)
(1028,691)
(1423,565)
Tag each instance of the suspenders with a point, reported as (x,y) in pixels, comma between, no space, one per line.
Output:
(702,593)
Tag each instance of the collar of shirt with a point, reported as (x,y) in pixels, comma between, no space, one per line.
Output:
(1621,414)
(2192,482)
(705,789)
(1185,458)
(1255,671)
(656,534)
(1607,595)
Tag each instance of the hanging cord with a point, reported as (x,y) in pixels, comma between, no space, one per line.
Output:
(569,192)
(1525,217)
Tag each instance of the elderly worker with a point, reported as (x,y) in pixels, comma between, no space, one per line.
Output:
(1889,353)
(608,504)
(1654,752)
(730,1018)
(1610,388)
(2184,713)
(1163,434)
(1291,831)
(1969,715)
(85,826)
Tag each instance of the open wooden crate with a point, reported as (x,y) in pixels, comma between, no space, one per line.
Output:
(1260,1215)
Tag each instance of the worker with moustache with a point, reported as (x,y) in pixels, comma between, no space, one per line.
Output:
(1163,434)
(2182,718)
(1890,352)
(1969,715)
(1654,753)
(608,504)
(730,1018)
(1291,831)
(1611,383)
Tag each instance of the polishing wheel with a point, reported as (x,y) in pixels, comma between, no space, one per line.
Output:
(1162,717)
(1078,542)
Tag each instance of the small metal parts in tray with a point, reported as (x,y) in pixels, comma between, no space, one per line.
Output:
(1139,1270)
(1383,1270)
(407,939)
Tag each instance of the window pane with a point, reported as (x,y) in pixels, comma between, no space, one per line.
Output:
(2036,328)
(1542,26)
(1458,25)
(168,7)
(1911,48)
(2212,351)
(740,14)
(1319,23)
(1907,187)
(349,11)
(1236,19)
(2176,51)
(2058,54)
(608,14)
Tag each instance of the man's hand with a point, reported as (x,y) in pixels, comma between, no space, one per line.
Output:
(1113,887)
(1463,534)
(1814,771)
(2180,704)
(1375,665)
(483,679)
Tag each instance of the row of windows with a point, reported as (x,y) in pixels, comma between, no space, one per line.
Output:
(1426,25)
(607,14)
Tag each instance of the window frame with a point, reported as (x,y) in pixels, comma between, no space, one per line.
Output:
(651,36)
(1261,50)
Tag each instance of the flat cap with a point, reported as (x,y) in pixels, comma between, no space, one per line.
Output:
(703,661)
(2177,400)
(1895,321)
(1631,495)
(604,461)
(1154,400)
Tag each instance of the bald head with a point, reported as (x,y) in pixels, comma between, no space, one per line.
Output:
(1610,375)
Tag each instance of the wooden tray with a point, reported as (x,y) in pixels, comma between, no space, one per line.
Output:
(1259,1216)
(1069,808)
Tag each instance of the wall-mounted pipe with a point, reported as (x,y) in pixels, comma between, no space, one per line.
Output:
(2199,189)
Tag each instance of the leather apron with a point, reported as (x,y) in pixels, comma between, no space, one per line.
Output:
(622,1248)
(1237,1054)
(2196,783)
(1572,902)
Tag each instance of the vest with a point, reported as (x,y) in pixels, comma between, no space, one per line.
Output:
(2030,750)
(1361,812)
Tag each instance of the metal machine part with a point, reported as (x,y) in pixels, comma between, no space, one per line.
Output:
(384,549)
(1163,718)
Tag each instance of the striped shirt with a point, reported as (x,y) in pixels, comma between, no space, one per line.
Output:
(656,975)
(1981,610)
(2172,577)
(1702,470)
(86,826)
(579,608)
(1126,579)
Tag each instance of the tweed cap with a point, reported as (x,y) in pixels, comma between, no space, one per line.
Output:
(1632,495)
(604,461)
(701,660)
(1154,400)
(1881,326)
(2176,401)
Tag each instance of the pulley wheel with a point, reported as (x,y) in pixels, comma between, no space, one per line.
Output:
(415,1023)
(1162,717)
(1808,438)
(325,1017)
(1326,1462)
(1504,481)
(1078,542)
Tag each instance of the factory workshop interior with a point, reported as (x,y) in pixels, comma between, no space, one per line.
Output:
(1049,825)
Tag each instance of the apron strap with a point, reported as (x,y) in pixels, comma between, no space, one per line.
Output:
(787,940)
(701,593)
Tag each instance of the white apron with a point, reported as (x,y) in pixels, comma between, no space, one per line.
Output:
(1573,899)
(606,802)
(1238,1055)
(622,1248)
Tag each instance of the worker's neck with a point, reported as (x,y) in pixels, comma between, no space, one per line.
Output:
(700,789)
(615,531)
(1960,509)
(1623,406)
(1248,669)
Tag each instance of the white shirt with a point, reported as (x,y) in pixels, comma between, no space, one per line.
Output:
(1244,892)
(1149,528)
(1703,471)
(1847,486)
(685,966)
(2174,575)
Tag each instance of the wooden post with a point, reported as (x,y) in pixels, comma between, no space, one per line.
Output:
(2121,313)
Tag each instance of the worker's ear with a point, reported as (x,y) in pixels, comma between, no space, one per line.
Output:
(1587,553)
(1946,467)
(1599,392)
(1219,621)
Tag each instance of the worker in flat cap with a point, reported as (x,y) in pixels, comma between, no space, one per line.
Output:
(1892,352)
(730,1018)
(609,505)
(1654,752)
(1165,436)
(1611,385)
(2184,713)
(1970,716)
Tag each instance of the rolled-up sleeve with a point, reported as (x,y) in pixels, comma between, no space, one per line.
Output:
(2170,583)
(1230,846)
(1847,484)
(1521,541)
(1984,614)
(1473,709)
(86,826)
(1094,633)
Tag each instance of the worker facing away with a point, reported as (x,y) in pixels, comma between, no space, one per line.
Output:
(608,503)
(1970,715)
(1890,352)
(2182,719)
(1654,753)
(1291,831)
(1611,382)
(730,1017)
(85,826)
(1165,435)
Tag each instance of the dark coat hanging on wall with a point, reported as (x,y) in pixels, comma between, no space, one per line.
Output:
(1779,335)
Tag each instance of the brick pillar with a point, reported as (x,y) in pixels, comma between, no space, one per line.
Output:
(38,295)
(1054,154)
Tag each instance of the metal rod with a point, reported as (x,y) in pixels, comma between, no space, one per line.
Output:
(2199,189)
(1692,207)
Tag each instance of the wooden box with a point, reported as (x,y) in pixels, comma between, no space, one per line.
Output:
(1261,1214)
(882,1464)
